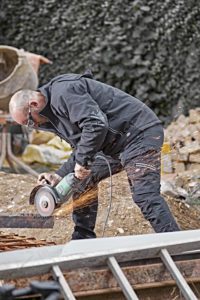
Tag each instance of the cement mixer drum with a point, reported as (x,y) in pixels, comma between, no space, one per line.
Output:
(16,73)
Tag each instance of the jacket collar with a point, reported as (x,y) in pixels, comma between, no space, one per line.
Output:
(47,111)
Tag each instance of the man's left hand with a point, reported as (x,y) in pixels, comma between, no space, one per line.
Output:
(81,172)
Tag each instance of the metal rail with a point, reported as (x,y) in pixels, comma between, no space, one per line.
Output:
(121,279)
(102,252)
(26,221)
(178,277)
(66,291)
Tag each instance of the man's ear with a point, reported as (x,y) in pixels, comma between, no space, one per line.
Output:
(33,103)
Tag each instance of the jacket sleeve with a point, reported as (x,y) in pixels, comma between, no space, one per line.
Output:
(67,167)
(87,115)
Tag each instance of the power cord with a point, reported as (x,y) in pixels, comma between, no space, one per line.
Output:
(110,201)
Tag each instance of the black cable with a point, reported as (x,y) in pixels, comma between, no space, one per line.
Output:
(110,202)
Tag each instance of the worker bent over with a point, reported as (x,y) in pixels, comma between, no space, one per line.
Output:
(99,120)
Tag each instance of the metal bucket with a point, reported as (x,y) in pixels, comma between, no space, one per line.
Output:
(16,73)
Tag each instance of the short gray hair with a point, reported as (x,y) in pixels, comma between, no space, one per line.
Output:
(20,100)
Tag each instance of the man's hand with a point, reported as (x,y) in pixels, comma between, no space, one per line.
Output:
(81,172)
(49,178)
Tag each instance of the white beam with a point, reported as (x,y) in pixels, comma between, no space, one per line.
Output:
(94,252)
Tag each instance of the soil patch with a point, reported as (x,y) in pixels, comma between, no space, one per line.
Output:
(125,217)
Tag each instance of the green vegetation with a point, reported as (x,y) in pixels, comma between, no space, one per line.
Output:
(149,48)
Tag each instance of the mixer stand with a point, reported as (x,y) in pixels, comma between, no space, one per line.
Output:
(6,148)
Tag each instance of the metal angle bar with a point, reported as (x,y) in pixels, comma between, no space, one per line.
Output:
(26,221)
(95,252)
(121,279)
(176,274)
(66,291)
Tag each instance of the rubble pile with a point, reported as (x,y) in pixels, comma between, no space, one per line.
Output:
(184,186)
(181,156)
(183,135)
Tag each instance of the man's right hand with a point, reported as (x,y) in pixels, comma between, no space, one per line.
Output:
(49,178)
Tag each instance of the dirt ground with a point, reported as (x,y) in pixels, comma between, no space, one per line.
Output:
(124,219)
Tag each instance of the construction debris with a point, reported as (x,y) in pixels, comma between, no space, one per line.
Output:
(183,135)
(12,241)
(185,185)
(181,156)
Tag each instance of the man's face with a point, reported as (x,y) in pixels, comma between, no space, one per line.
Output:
(29,117)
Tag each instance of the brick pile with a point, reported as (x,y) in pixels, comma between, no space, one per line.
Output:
(183,136)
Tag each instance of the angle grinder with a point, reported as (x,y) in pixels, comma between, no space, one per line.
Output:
(46,198)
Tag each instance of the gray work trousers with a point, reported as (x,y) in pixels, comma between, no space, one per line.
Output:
(140,159)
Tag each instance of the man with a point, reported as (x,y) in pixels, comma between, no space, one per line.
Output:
(96,118)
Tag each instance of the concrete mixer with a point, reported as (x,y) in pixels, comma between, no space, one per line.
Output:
(18,70)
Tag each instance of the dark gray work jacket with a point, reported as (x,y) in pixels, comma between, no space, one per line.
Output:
(92,116)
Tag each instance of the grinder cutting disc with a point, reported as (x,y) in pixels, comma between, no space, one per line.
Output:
(45,201)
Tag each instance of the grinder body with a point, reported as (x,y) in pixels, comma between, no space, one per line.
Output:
(46,198)
(64,188)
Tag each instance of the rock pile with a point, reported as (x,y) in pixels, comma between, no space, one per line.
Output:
(183,135)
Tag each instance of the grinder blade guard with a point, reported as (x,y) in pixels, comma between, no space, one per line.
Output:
(46,198)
